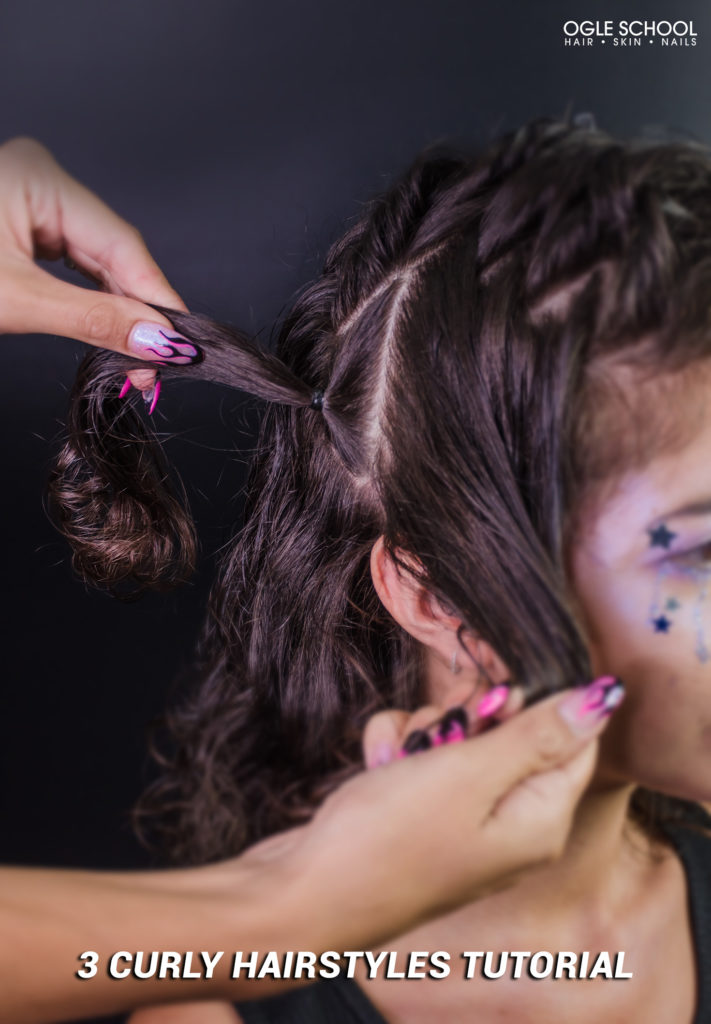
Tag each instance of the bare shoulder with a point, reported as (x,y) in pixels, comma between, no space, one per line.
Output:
(210,1012)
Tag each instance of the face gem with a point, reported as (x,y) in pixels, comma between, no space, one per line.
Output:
(672,604)
(660,537)
(661,624)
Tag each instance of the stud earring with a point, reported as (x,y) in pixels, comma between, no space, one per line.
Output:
(453,664)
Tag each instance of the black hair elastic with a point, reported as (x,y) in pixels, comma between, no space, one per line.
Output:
(317,400)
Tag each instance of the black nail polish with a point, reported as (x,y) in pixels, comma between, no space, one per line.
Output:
(416,741)
(455,716)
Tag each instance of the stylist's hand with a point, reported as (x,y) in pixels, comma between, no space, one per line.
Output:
(413,838)
(45,213)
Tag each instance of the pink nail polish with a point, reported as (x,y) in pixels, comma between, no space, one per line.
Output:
(494,700)
(126,388)
(162,344)
(455,734)
(151,397)
(383,754)
(585,706)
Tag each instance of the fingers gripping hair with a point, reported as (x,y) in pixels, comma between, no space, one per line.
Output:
(111,491)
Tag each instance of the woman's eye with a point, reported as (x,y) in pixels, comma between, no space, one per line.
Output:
(698,558)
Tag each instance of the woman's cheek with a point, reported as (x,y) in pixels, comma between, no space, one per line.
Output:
(663,612)
(662,738)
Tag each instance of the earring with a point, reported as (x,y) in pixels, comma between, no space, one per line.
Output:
(453,664)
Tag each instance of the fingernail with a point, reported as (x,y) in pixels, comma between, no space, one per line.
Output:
(416,741)
(126,388)
(382,754)
(493,701)
(587,705)
(162,344)
(455,734)
(151,397)
(453,722)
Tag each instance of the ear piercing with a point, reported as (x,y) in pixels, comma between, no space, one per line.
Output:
(454,666)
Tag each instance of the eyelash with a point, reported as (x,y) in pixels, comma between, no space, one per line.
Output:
(691,563)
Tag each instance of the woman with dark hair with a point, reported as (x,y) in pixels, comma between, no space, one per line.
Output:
(485,460)
(283,890)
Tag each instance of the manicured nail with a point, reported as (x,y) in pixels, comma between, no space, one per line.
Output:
(151,397)
(493,701)
(416,741)
(383,754)
(587,705)
(453,724)
(162,344)
(126,388)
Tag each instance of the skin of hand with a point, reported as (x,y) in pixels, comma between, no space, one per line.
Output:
(460,820)
(389,849)
(47,214)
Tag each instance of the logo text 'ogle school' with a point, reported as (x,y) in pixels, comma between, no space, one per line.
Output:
(629,33)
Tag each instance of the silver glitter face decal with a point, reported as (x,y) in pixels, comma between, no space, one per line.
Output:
(701,576)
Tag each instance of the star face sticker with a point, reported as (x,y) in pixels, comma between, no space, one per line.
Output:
(661,624)
(672,604)
(660,537)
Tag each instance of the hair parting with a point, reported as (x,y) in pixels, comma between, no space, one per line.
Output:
(465,334)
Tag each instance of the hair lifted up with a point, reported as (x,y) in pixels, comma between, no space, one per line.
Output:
(462,331)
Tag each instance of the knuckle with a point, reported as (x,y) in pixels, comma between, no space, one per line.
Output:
(25,149)
(99,322)
(549,743)
(135,235)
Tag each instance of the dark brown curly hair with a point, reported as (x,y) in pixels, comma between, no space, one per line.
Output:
(465,332)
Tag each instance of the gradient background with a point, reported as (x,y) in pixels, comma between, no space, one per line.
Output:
(238,138)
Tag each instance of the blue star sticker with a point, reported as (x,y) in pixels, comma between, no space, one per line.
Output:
(660,537)
(661,624)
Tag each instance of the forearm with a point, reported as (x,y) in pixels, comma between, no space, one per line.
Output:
(49,917)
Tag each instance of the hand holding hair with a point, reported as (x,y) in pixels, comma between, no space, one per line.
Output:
(388,850)
(46,213)
(458,820)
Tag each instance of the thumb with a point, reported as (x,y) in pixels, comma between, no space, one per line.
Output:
(36,302)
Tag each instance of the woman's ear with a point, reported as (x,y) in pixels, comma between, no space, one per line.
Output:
(419,612)
(408,601)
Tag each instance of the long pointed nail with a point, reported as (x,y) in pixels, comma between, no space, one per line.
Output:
(453,723)
(416,741)
(151,397)
(585,706)
(493,701)
(126,388)
(162,344)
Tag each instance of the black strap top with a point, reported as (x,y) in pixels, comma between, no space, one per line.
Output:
(694,848)
(341,1001)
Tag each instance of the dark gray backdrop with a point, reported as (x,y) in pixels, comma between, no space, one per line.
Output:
(237,137)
